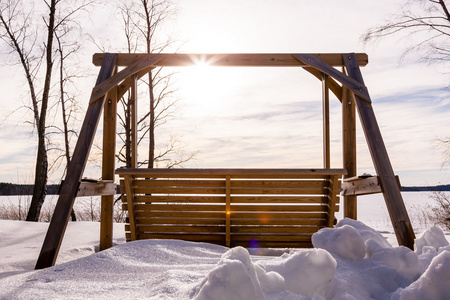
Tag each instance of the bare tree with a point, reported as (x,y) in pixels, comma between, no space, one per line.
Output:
(15,23)
(428,22)
(22,27)
(142,20)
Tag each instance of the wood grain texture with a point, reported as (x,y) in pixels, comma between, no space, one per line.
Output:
(316,62)
(63,208)
(232,205)
(349,148)
(394,201)
(227,59)
(108,167)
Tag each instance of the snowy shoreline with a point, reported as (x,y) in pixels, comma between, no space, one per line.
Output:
(350,261)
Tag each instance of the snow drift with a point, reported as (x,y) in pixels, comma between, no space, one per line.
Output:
(350,261)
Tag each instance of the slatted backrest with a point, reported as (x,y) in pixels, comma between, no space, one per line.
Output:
(246,207)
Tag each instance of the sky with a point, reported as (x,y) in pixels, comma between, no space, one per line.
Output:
(271,117)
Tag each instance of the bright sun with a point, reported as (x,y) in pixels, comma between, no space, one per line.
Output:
(207,86)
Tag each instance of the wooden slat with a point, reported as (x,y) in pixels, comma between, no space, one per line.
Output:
(279,199)
(188,237)
(192,221)
(179,207)
(296,221)
(280,183)
(234,191)
(234,200)
(214,221)
(278,215)
(272,237)
(255,244)
(184,229)
(182,214)
(178,190)
(219,214)
(273,229)
(234,208)
(180,199)
(227,59)
(278,208)
(279,191)
(234,173)
(234,183)
(179,183)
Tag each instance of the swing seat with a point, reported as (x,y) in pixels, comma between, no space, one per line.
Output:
(274,208)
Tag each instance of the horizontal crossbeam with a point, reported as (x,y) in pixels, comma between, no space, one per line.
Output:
(229,59)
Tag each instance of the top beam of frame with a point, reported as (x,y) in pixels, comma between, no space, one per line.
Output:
(230,59)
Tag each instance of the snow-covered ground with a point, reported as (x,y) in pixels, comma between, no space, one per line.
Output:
(351,261)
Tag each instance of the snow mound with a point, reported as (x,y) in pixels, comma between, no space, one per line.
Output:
(433,284)
(235,277)
(433,237)
(304,271)
(344,241)
(301,272)
(402,259)
(353,262)
(366,232)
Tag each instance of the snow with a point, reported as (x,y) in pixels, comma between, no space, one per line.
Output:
(350,261)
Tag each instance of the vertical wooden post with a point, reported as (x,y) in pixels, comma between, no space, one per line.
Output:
(129,182)
(349,148)
(391,191)
(133,112)
(63,208)
(326,121)
(333,180)
(108,167)
(227,210)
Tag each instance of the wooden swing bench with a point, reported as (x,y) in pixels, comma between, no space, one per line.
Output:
(231,207)
(257,207)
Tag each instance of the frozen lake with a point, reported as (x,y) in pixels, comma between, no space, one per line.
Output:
(371,208)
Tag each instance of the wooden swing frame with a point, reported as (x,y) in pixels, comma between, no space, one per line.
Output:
(347,85)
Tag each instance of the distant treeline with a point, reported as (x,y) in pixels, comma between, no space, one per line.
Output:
(11,189)
(445,187)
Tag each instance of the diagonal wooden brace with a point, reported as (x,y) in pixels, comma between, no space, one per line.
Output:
(356,87)
(141,66)
(75,169)
(333,85)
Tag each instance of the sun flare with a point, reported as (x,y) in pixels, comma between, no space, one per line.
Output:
(208,87)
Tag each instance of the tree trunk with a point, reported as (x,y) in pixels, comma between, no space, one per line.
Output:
(65,119)
(40,180)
